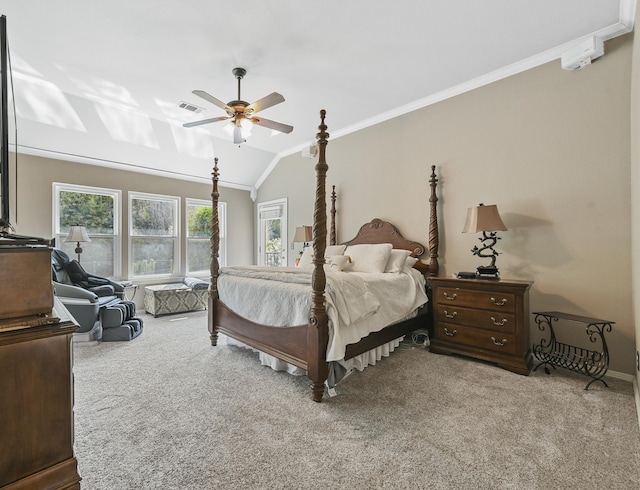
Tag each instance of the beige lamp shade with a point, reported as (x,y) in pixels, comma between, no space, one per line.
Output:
(483,218)
(77,234)
(303,234)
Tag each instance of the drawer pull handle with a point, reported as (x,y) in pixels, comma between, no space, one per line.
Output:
(450,315)
(450,298)
(499,303)
(498,342)
(449,334)
(501,323)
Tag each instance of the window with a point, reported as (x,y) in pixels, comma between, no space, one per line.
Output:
(153,234)
(98,210)
(199,235)
(272,233)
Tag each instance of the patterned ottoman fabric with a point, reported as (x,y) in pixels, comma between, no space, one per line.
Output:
(174,298)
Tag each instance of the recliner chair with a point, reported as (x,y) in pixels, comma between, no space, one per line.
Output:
(68,271)
(96,303)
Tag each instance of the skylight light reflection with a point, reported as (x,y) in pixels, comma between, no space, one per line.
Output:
(127,125)
(44,102)
(99,88)
(193,143)
(21,66)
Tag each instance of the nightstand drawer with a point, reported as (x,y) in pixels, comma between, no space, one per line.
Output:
(490,300)
(481,318)
(497,321)
(478,338)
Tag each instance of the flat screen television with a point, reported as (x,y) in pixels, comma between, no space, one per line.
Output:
(7,231)
(5,206)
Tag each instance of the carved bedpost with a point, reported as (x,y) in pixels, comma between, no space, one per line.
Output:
(215,249)
(332,235)
(318,331)
(434,239)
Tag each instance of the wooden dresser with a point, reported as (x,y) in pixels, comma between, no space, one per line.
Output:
(485,319)
(36,379)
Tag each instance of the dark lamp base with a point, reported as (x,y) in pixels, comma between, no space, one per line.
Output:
(488,272)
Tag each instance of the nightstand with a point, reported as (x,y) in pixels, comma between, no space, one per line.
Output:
(484,319)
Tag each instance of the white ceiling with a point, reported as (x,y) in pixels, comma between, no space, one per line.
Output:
(99,81)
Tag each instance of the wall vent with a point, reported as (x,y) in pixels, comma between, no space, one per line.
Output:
(190,107)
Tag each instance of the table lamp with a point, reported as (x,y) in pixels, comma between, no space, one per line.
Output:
(79,235)
(485,219)
(304,234)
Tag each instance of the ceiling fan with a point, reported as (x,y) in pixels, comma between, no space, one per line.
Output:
(241,112)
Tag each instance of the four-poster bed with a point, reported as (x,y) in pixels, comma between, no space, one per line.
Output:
(310,343)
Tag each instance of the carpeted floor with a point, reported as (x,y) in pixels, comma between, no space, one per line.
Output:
(168,411)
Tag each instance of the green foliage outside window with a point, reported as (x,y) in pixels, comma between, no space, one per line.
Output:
(200,222)
(93,211)
(152,217)
(273,245)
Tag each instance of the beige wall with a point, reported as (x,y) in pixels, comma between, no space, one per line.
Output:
(35,176)
(550,147)
(635,184)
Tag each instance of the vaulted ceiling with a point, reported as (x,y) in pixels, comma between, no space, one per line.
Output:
(101,82)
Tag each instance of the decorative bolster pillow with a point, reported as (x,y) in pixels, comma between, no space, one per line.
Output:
(195,283)
(338,262)
(306,261)
(369,257)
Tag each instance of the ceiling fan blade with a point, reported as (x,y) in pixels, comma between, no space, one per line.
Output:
(266,102)
(237,135)
(205,121)
(212,99)
(268,123)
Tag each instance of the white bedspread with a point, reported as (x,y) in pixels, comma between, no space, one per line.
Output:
(357,303)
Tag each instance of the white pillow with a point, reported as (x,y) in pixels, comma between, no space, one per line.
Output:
(369,257)
(332,250)
(338,262)
(411,261)
(306,260)
(397,260)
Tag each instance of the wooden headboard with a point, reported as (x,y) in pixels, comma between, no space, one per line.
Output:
(379,231)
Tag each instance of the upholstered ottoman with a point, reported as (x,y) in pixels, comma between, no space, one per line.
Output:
(164,299)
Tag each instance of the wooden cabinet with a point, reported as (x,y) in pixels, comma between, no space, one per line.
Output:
(485,319)
(36,404)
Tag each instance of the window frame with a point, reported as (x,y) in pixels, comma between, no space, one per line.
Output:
(222,220)
(136,195)
(115,194)
(260,231)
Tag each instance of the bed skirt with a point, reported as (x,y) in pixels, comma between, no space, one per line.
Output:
(338,370)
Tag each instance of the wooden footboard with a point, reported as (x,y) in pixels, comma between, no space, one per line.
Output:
(288,344)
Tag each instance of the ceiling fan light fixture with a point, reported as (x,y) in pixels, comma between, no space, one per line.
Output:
(239,110)
(247,125)
(239,129)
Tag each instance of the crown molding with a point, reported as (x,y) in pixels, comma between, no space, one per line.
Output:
(127,167)
(623,26)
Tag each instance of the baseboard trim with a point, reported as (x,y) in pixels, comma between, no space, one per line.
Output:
(624,376)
